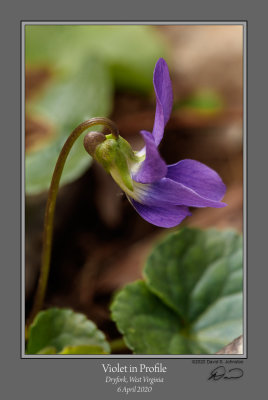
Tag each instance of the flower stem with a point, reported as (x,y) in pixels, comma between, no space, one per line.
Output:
(50,209)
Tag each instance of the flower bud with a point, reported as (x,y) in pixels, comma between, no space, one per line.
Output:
(92,140)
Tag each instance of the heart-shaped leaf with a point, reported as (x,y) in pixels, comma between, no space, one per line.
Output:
(64,102)
(65,332)
(191,299)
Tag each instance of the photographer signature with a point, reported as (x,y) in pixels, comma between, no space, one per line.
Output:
(221,373)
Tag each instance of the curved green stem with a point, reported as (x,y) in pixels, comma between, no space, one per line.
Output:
(50,208)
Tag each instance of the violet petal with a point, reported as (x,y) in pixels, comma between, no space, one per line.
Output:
(197,176)
(161,216)
(153,167)
(164,99)
(167,191)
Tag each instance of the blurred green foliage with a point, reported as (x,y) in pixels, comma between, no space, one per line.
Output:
(85,64)
(130,51)
(205,101)
(67,102)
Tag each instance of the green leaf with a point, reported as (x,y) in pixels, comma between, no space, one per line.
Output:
(130,51)
(65,332)
(63,104)
(191,299)
(48,350)
(74,350)
(83,350)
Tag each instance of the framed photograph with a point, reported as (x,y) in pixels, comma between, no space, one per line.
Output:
(133,200)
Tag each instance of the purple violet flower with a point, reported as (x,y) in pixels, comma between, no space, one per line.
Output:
(160,193)
(164,192)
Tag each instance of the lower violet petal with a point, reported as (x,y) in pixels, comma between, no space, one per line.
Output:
(160,216)
(153,167)
(197,176)
(167,191)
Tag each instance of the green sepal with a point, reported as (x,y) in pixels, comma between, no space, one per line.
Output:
(116,156)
